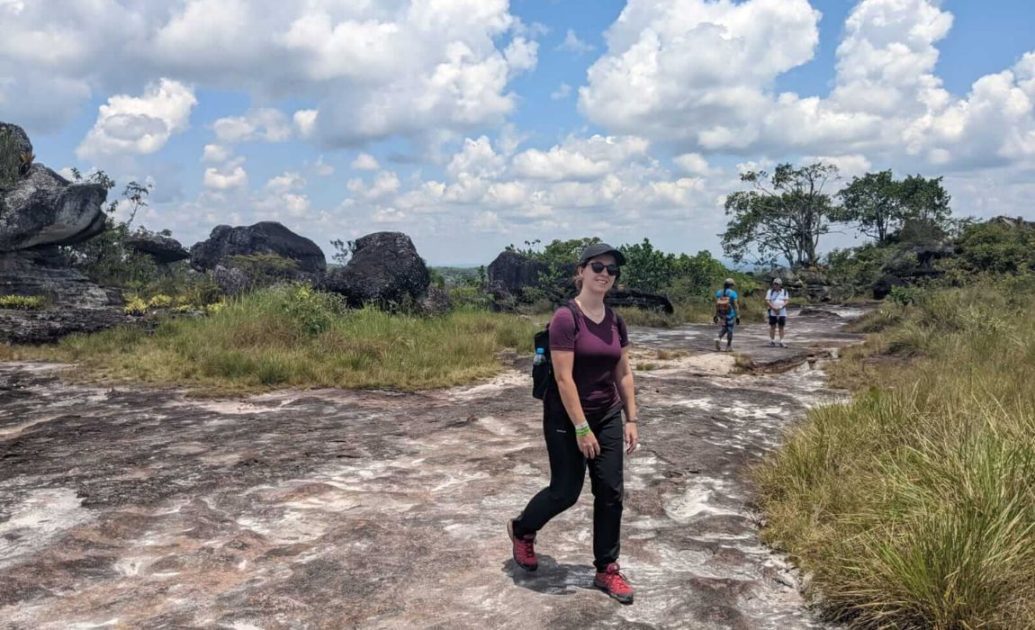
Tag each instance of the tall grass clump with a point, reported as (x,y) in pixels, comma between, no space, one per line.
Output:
(914,504)
(294,336)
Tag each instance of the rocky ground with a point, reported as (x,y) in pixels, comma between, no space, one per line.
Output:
(147,508)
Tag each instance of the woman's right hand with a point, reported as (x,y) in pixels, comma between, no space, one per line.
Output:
(588,445)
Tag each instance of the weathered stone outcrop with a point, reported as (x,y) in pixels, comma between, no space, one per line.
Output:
(910,265)
(266,237)
(40,210)
(73,303)
(639,299)
(511,273)
(384,269)
(309,508)
(15,154)
(163,249)
(43,208)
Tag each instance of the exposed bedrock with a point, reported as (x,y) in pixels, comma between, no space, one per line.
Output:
(134,507)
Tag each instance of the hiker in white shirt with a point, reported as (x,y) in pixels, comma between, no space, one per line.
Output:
(776,299)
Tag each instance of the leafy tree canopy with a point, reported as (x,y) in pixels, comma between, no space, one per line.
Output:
(783,215)
(882,206)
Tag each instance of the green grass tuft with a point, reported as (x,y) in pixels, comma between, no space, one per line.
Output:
(23,302)
(914,505)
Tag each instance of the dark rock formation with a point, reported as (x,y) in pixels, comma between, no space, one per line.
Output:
(882,288)
(18,138)
(231,280)
(43,208)
(17,157)
(639,299)
(385,269)
(74,304)
(163,249)
(912,264)
(40,210)
(267,237)
(510,273)
(1018,223)
(436,302)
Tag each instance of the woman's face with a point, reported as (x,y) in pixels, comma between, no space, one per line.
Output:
(599,281)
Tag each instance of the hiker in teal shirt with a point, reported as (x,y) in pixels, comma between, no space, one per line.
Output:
(726,308)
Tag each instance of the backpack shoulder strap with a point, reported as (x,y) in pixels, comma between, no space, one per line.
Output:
(574,314)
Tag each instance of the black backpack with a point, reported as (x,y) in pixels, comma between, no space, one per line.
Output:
(542,374)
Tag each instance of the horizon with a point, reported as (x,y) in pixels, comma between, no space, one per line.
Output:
(470,125)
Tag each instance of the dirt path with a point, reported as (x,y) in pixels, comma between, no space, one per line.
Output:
(330,509)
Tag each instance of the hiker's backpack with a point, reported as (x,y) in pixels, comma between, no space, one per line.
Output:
(542,369)
(722,304)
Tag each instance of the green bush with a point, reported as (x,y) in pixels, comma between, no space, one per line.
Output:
(997,247)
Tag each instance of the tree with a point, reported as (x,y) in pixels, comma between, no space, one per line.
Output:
(882,206)
(874,202)
(925,200)
(647,268)
(105,258)
(785,216)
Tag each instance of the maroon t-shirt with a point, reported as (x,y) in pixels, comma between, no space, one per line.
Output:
(598,348)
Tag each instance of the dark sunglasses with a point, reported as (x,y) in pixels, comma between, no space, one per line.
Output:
(597,267)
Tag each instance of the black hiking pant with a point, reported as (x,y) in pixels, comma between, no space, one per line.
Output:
(568,472)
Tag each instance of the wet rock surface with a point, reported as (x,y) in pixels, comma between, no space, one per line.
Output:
(328,509)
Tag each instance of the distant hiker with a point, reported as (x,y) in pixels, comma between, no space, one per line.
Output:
(582,420)
(776,299)
(726,313)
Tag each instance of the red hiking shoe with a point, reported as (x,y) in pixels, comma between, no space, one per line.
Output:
(523,549)
(614,584)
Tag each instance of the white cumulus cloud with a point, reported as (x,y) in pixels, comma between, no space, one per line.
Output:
(363,70)
(228,177)
(365,162)
(265,123)
(139,124)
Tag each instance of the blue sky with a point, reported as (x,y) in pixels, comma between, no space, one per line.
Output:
(472,124)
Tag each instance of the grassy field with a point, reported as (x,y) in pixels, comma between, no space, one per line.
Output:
(914,505)
(293,336)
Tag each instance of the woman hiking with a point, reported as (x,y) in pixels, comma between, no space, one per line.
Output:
(582,420)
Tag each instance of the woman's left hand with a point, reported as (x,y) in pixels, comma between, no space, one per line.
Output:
(632,438)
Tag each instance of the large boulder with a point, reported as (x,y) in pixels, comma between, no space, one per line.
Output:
(384,269)
(511,273)
(43,208)
(266,237)
(163,249)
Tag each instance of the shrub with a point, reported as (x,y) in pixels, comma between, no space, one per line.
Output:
(10,161)
(22,302)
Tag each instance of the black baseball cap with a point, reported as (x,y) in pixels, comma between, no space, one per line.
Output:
(599,249)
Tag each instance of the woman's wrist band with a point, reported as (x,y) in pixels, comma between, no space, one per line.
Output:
(582,430)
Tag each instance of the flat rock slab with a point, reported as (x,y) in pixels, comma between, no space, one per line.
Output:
(329,509)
